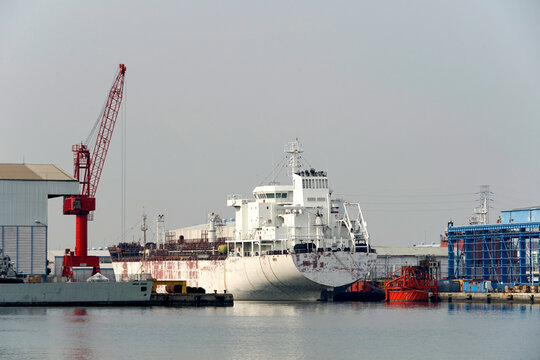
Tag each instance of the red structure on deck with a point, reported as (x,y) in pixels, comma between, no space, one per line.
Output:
(87,169)
(410,283)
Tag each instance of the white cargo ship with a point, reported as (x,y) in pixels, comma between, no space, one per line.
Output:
(290,242)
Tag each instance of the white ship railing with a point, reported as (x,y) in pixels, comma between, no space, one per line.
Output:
(253,247)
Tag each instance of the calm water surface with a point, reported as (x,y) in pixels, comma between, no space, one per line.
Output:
(253,330)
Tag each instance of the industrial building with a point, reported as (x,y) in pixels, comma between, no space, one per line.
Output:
(24,191)
(505,252)
(390,259)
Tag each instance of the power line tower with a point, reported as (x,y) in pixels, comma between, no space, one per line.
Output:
(481,213)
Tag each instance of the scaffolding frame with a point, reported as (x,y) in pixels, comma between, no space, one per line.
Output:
(506,253)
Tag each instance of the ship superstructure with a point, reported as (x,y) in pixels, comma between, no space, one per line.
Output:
(302,217)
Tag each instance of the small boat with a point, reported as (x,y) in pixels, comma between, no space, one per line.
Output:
(410,284)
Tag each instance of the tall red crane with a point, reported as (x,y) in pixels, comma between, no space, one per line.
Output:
(87,169)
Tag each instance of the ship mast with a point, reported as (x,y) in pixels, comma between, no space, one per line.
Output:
(294,149)
(144,228)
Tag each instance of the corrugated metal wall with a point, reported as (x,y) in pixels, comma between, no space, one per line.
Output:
(27,248)
(22,202)
(520,216)
(386,264)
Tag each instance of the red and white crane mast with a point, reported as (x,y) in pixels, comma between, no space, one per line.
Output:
(87,169)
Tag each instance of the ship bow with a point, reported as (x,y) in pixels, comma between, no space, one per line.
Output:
(334,269)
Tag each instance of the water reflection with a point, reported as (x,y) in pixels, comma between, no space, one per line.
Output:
(78,335)
(76,315)
(29,310)
(485,307)
(272,331)
(410,305)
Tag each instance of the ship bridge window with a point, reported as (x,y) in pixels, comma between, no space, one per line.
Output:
(284,195)
(270,196)
(278,195)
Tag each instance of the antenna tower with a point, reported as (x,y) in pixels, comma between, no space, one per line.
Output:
(294,149)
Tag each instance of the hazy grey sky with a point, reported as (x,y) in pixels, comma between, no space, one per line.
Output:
(409,105)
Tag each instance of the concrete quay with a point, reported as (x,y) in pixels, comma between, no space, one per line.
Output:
(523,298)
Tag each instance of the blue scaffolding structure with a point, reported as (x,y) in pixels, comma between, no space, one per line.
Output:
(506,253)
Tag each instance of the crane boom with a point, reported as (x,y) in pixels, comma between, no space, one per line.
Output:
(108,120)
(87,168)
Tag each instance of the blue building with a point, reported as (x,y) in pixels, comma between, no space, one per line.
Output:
(505,252)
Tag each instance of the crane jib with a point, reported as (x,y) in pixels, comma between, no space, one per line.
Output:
(87,170)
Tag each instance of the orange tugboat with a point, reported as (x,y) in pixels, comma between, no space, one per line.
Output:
(410,284)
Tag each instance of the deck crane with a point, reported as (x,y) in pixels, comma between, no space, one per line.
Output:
(87,169)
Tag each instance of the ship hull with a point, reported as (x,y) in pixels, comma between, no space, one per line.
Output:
(76,293)
(286,277)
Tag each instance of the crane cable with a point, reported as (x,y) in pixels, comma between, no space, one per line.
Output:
(92,133)
(123,153)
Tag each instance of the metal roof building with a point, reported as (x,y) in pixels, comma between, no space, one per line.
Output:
(390,259)
(24,191)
